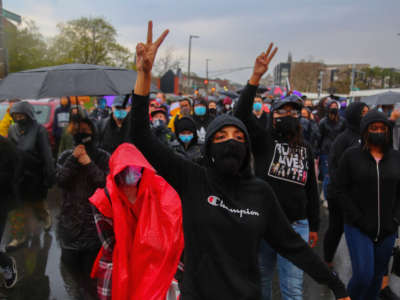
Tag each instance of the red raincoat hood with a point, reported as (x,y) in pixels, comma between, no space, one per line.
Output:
(147,248)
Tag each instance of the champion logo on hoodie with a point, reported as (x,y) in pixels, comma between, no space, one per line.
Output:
(216,201)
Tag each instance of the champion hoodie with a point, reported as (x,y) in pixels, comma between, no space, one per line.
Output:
(224,219)
(288,169)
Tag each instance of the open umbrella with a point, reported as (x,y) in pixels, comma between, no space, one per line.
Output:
(68,80)
(230,94)
(386,98)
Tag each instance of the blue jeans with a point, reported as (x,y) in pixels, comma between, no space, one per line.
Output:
(290,276)
(369,262)
(324,170)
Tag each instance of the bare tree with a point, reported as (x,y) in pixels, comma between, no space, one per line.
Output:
(304,75)
(167,61)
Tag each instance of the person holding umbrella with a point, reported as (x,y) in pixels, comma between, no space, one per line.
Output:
(227,211)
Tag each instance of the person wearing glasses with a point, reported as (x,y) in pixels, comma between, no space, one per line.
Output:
(368,185)
(284,160)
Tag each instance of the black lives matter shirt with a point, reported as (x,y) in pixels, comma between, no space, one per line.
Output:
(224,222)
(288,169)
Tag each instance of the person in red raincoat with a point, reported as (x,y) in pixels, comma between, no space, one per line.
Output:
(139,220)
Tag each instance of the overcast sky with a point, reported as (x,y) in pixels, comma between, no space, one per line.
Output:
(233,32)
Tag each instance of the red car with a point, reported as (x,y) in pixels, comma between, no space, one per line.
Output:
(44,113)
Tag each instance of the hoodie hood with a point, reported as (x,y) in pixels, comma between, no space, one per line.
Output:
(329,103)
(353,115)
(220,122)
(186,123)
(25,108)
(375,116)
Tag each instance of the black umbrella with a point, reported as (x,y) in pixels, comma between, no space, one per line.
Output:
(386,98)
(230,94)
(68,80)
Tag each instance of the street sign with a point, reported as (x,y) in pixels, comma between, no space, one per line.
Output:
(10,15)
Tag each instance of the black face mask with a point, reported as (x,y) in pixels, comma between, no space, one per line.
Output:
(287,126)
(212,111)
(228,157)
(333,111)
(23,124)
(83,139)
(377,139)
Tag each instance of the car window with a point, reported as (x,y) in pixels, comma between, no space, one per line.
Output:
(42,113)
(3,110)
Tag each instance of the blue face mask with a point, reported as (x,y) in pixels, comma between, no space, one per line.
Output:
(257,106)
(200,110)
(131,176)
(120,114)
(186,138)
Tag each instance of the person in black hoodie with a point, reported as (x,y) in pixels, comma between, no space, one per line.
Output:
(114,130)
(368,187)
(9,164)
(286,162)
(185,129)
(201,118)
(80,172)
(259,113)
(227,211)
(350,137)
(329,128)
(36,174)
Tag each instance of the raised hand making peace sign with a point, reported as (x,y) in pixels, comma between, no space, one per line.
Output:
(261,64)
(146,53)
(145,56)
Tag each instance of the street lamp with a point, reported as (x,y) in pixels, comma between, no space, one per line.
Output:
(190,51)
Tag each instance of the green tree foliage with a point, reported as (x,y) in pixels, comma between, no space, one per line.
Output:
(89,41)
(26,47)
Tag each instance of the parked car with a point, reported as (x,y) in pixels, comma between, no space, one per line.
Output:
(44,113)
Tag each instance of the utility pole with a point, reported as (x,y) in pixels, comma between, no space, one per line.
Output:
(352,78)
(321,74)
(207,60)
(189,57)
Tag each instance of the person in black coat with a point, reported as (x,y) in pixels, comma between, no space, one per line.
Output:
(201,118)
(9,164)
(329,128)
(79,173)
(187,136)
(227,211)
(368,187)
(36,170)
(350,137)
(115,130)
(259,113)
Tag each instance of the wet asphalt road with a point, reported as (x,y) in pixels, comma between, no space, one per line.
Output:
(43,277)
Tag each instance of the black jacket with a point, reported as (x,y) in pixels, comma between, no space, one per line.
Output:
(310,133)
(111,136)
(369,191)
(348,138)
(289,170)
(263,120)
(34,151)
(193,150)
(202,123)
(9,164)
(225,219)
(76,223)
(328,131)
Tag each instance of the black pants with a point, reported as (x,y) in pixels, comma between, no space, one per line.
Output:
(79,264)
(4,258)
(335,229)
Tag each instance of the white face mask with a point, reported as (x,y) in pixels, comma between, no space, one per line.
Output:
(131,175)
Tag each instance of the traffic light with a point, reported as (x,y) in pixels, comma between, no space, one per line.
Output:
(205,81)
(213,89)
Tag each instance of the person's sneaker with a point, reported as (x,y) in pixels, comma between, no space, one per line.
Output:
(16,243)
(387,294)
(10,274)
(47,222)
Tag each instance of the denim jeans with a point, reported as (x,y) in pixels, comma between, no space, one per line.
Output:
(369,262)
(290,276)
(324,170)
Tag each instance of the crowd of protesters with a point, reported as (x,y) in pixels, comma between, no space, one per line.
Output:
(209,200)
